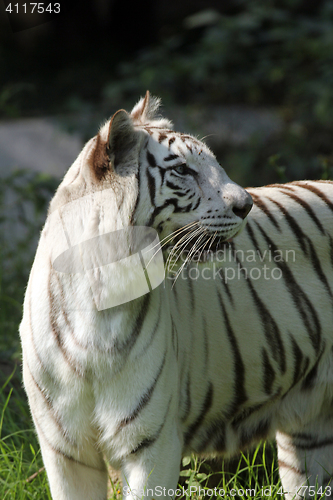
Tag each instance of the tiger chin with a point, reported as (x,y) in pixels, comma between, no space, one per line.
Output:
(236,349)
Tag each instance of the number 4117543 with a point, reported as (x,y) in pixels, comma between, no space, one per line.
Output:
(30,8)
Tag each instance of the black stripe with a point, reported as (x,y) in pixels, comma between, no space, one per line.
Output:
(53,323)
(151,186)
(155,329)
(162,137)
(263,207)
(171,140)
(199,420)
(188,403)
(239,369)
(309,380)
(269,373)
(57,333)
(271,329)
(187,208)
(181,194)
(162,173)
(313,444)
(316,191)
(226,286)
(57,450)
(65,315)
(293,225)
(220,439)
(149,441)
(146,442)
(214,432)
(167,203)
(253,239)
(280,186)
(206,345)
(245,414)
(173,186)
(174,289)
(151,159)
(52,411)
(192,294)
(174,337)
(302,435)
(298,361)
(192,139)
(307,208)
(331,250)
(303,239)
(145,272)
(304,306)
(197,204)
(138,179)
(139,320)
(144,400)
(170,157)
(157,211)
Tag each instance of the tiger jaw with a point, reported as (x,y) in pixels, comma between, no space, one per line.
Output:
(198,242)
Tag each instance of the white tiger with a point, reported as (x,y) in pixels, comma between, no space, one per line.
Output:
(235,350)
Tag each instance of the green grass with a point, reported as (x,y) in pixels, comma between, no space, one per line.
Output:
(253,475)
(20,459)
(22,475)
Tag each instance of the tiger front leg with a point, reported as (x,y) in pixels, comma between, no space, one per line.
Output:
(152,470)
(72,480)
(75,470)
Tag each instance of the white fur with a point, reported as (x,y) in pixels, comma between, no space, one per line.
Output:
(83,380)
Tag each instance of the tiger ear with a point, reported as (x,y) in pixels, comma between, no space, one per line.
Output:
(122,138)
(145,110)
(115,144)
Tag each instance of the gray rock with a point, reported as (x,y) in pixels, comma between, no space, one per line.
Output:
(36,144)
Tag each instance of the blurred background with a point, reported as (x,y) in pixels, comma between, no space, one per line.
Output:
(252,77)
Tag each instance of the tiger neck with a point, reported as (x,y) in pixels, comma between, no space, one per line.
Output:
(133,325)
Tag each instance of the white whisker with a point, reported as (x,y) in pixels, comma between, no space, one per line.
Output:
(170,238)
(181,244)
(188,258)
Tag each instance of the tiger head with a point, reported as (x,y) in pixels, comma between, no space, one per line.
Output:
(166,180)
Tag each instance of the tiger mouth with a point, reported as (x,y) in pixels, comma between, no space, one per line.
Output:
(200,243)
(199,248)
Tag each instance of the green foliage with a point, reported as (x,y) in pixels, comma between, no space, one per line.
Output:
(263,54)
(245,477)
(268,53)
(24,198)
(22,475)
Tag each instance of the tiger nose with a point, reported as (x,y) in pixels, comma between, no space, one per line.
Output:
(242,209)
